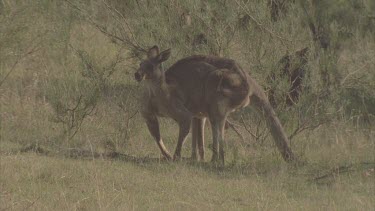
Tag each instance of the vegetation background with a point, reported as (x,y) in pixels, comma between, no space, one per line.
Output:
(71,137)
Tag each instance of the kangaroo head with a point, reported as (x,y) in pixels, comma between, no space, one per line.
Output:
(150,67)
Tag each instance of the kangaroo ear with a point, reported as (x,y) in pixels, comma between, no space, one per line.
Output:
(153,52)
(164,55)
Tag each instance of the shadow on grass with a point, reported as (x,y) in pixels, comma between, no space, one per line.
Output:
(229,170)
(84,154)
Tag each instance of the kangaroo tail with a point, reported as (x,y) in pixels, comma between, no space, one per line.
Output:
(260,100)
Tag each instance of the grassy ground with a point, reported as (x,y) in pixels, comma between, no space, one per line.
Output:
(336,177)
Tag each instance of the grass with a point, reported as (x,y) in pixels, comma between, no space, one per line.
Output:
(334,178)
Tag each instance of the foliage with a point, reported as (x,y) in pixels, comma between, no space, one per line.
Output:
(81,55)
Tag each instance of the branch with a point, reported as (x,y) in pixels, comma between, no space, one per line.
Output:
(248,130)
(31,51)
(303,127)
(352,73)
(124,20)
(111,68)
(310,21)
(102,29)
(334,172)
(235,130)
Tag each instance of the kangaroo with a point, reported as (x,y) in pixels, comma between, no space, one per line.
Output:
(196,88)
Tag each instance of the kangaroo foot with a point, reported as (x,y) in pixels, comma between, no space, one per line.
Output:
(217,162)
(194,157)
(215,158)
(176,157)
(167,156)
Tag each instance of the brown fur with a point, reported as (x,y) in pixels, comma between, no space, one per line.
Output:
(196,88)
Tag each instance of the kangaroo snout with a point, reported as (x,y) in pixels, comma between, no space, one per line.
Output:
(138,76)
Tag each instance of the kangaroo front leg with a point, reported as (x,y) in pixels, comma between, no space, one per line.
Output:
(153,127)
(197,138)
(183,117)
(183,132)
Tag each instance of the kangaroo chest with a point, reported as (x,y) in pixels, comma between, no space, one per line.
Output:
(160,107)
(155,102)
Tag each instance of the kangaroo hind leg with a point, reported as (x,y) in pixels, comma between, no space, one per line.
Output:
(218,115)
(198,138)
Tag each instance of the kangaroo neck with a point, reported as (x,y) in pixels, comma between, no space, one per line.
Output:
(157,86)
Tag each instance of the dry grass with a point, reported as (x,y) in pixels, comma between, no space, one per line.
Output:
(339,175)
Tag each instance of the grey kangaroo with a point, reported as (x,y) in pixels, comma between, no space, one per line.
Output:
(196,88)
